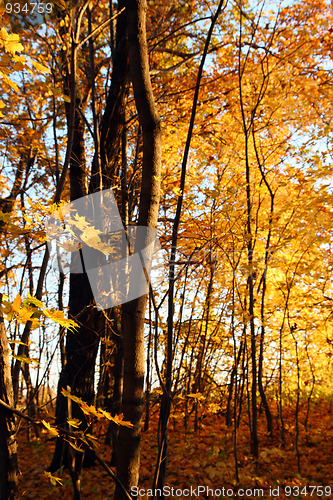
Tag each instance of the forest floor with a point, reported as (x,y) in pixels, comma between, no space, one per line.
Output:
(204,459)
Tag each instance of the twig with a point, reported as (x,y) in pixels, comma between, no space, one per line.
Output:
(76,435)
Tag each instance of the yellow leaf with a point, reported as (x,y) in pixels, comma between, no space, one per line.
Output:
(16,304)
(90,235)
(177,191)
(118,419)
(10,42)
(198,396)
(60,3)
(54,315)
(24,359)
(92,410)
(12,85)
(40,67)
(59,317)
(74,422)
(34,301)
(107,342)
(51,429)
(54,480)
(75,447)
(106,414)
(24,313)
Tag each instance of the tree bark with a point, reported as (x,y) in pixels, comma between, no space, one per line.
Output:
(128,455)
(269,417)
(228,413)
(8,453)
(82,345)
(112,123)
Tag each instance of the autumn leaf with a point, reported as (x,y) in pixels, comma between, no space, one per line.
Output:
(17,303)
(52,430)
(89,234)
(118,419)
(198,396)
(34,301)
(61,3)
(177,191)
(23,314)
(39,67)
(25,359)
(59,317)
(53,479)
(74,422)
(92,410)
(10,42)
(75,447)
(53,314)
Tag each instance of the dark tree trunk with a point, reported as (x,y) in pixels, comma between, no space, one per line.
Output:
(79,370)
(7,204)
(262,393)
(203,343)
(128,454)
(112,124)
(148,375)
(250,282)
(8,454)
(113,403)
(231,385)
(263,281)
(82,345)
(117,396)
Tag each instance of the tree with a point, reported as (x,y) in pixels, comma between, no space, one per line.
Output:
(128,457)
(8,447)
(81,350)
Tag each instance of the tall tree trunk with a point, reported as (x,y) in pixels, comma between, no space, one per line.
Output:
(79,369)
(250,279)
(268,413)
(112,123)
(82,346)
(77,374)
(263,281)
(26,162)
(203,341)
(250,284)
(128,456)
(160,471)
(148,374)
(228,413)
(8,454)
(116,375)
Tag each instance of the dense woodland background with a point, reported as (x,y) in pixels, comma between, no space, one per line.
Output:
(214,125)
